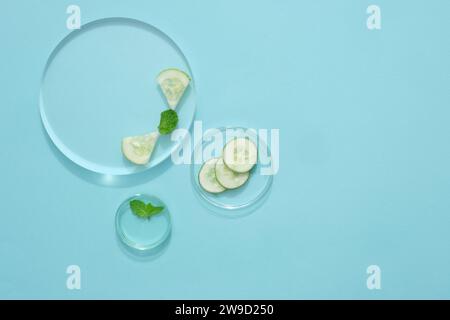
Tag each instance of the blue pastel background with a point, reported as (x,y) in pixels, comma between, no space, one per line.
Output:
(365,156)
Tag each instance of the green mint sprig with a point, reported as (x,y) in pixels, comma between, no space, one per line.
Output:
(168,121)
(144,211)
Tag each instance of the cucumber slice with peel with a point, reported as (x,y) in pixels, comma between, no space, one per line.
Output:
(240,154)
(173,83)
(207,177)
(138,149)
(229,178)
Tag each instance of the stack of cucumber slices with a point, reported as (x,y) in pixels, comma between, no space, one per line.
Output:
(139,149)
(232,170)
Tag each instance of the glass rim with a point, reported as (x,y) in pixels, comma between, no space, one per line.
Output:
(132,244)
(250,203)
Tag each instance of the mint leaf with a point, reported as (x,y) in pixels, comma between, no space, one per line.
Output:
(139,208)
(153,210)
(168,121)
(144,211)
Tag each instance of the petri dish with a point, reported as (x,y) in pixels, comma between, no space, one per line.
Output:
(99,86)
(142,235)
(246,198)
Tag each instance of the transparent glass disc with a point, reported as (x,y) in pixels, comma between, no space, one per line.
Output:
(142,234)
(99,86)
(245,198)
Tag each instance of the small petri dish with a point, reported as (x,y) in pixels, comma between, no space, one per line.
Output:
(243,200)
(98,86)
(142,235)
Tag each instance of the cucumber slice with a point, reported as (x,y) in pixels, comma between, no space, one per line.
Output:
(173,83)
(240,154)
(207,177)
(228,178)
(138,149)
